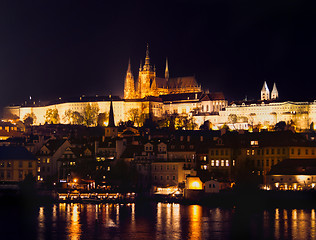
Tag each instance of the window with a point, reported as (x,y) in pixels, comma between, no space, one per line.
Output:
(248,152)
(161,177)
(8,164)
(226,152)
(173,167)
(258,152)
(252,152)
(8,174)
(20,174)
(1,174)
(278,151)
(167,177)
(173,177)
(222,152)
(212,152)
(227,163)
(222,163)
(292,150)
(217,163)
(204,158)
(298,151)
(233,162)
(267,151)
(30,164)
(212,163)
(216,152)
(272,151)
(283,150)
(2,164)
(306,151)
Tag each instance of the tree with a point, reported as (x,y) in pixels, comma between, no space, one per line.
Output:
(103,118)
(90,114)
(280,126)
(68,116)
(134,115)
(52,116)
(29,119)
(77,118)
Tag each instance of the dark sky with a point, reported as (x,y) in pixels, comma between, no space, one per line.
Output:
(51,49)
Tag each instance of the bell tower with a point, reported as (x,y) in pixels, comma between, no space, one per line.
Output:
(146,76)
(129,88)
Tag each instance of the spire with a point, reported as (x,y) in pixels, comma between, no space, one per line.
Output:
(147,55)
(274,93)
(265,93)
(265,87)
(111,116)
(129,66)
(167,70)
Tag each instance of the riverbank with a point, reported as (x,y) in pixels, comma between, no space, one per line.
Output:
(244,199)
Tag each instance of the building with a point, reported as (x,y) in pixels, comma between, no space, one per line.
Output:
(292,174)
(149,94)
(16,163)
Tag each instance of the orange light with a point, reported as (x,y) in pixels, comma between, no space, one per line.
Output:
(75,180)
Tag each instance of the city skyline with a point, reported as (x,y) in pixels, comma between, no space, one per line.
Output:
(63,50)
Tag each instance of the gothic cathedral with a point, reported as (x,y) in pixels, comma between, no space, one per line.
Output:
(149,84)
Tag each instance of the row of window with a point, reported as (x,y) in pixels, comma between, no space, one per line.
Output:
(272,151)
(268,162)
(9,164)
(166,178)
(44,160)
(9,176)
(216,152)
(221,163)
(166,167)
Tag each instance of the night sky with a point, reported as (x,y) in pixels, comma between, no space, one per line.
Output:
(51,49)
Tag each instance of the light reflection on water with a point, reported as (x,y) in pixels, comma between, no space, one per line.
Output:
(160,221)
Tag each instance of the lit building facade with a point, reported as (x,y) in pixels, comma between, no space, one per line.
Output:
(181,95)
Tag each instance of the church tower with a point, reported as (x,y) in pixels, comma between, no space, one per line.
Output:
(145,77)
(265,93)
(129,88)
(111,129)
(167,70)
(274,93)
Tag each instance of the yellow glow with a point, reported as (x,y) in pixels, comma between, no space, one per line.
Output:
(277,185)
(75,180)
(195,185)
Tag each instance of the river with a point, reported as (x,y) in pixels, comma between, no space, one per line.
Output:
(154,221)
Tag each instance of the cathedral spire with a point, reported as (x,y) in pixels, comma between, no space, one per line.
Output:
(111,116)
(147,59)
(167,70)
(129,66)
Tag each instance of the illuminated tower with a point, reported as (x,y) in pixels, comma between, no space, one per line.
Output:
(129,88)
(145,77)
(265,93)
(167,70)
(111,129)
(274,93)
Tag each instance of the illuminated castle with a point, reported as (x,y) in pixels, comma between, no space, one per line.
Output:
(148,84)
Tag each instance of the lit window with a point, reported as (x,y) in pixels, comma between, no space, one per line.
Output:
(212,163)
(248,152)
(217,163)
(252,152)
(233,162)
(222,163)
(48,160)
(204,158)
(227,163)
